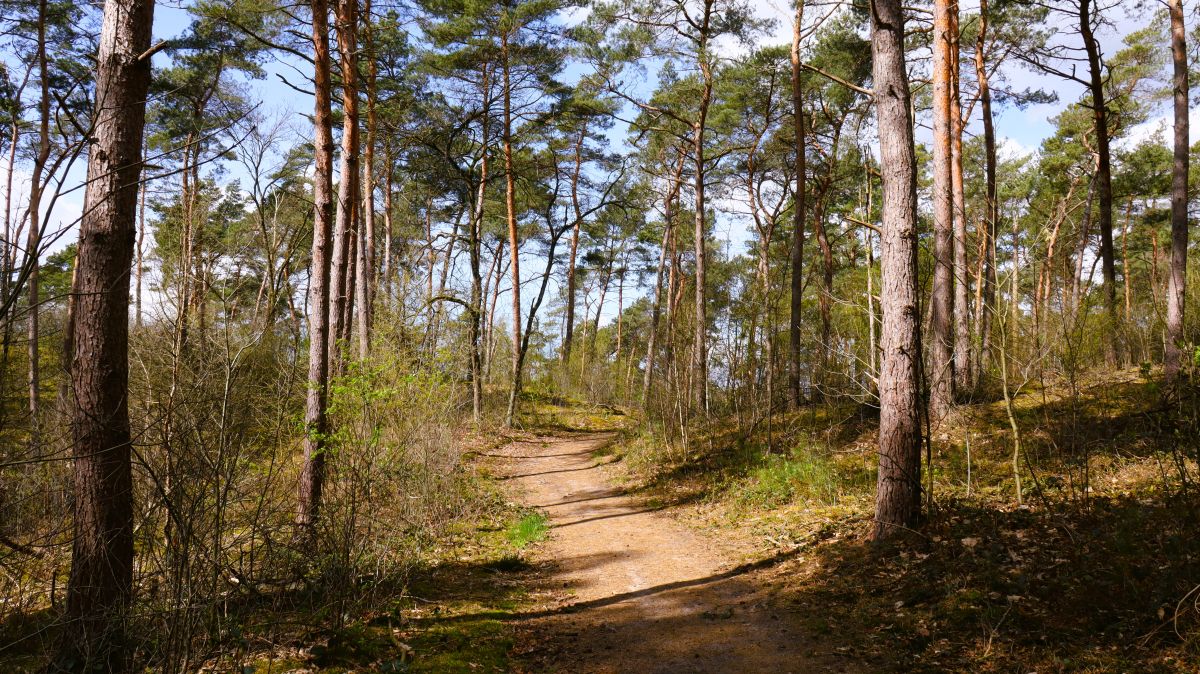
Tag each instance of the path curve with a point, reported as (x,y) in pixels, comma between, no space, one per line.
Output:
(631,590)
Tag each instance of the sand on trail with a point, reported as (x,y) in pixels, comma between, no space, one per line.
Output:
(627,588)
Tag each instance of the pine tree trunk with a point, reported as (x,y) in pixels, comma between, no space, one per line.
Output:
(991,213)
(101,577)
(962,311)
(569,335)
(898,494)
(1104,163)
(346,26)
(656,312)
(797,250)
(941,314)
(316,422)
(1176,282)
(510,204)
(366,274)
(700,347)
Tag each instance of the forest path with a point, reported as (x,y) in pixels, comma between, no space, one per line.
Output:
(629,589)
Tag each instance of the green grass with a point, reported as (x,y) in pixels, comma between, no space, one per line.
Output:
(531,528)
(475,644)
(804,475)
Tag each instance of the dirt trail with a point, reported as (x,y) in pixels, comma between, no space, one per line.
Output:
(636,591)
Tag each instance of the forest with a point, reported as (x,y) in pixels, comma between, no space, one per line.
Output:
(599,336)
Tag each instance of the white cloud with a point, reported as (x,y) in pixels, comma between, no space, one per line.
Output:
(1160,129)
(1008,148)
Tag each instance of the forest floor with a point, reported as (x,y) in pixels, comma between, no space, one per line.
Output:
(601,546)
(624,552)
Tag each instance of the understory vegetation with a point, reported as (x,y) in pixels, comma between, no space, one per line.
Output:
(1093,569)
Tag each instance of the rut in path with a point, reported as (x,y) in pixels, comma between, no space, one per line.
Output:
(636,591)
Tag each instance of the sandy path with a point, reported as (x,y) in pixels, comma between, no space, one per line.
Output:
(634,590)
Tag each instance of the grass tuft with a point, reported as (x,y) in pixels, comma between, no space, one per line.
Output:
(531,528)
(804,475)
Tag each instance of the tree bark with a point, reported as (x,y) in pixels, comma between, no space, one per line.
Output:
(700,348)
(366,237)
(1176,282)
(510,204)
(797,250)
(316,422)
(656,312)
(101,577)
(898,493)
(476,234)
(941,314)
(962,311)
(34,242)
(1104,162)
(991,213)
(348,193)
(570,328)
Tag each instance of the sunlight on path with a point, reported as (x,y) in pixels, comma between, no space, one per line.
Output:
(636,591)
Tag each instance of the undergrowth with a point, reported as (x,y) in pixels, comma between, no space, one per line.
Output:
(1094,570)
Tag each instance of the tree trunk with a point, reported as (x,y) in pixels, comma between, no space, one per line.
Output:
(941,314)
(570,328)
(510,205)
(1085,233)
(34,242)
(490,340)
(991,212)
(700,348)
(1176,281)
(656,312)
(101,578)
(1125,257)
(476,233)
(366,237)
(316,422)
(385,267)
(898,494)
(346,26)
(797,251)
(139,268)
(1104,162)
(825,303)
(962,313)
